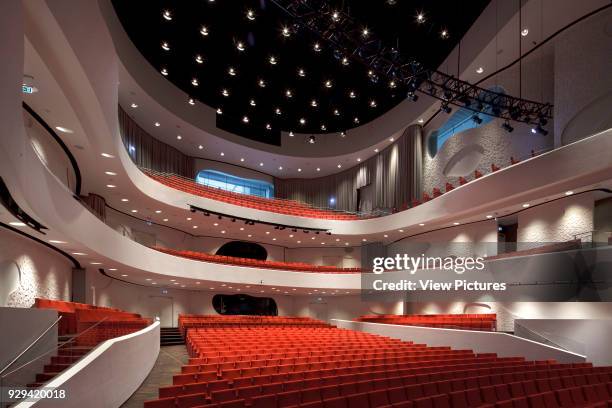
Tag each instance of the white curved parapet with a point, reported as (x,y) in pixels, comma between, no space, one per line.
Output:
(505,345)
(108,375)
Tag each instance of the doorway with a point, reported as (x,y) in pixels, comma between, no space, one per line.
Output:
(162,307)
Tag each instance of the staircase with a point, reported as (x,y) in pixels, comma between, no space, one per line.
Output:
(170,336)
(65,357)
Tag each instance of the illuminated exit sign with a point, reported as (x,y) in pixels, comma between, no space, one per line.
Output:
(27,89)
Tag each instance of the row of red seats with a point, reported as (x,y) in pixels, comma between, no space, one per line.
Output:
(281,206)
(192,321)
(255,263)
(481,322)
(367,381)
(94,324)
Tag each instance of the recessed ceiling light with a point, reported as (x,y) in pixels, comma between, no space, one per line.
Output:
(107,155)
(231,71)
(157,124)
(179,137)
(224,92)
(164,71)
(134,211)
(392,84)
(222,154)
(199,59)
(17,224)
(158,211)
(261,164)
(316,47)
(241,228)
(267,232)
(215,224)
(420,121)
(365,32)
(455,223)
(153,283)
(526,205)
(250,15)
(444,34)
(339,165)
(191,101)
(200,147)
(165,220)
(302,121)
(204,31)
(148,279)
(223,232)
(299,242)
(401,230)
(110,173)
(391,139)
(96,263)
(285,32)
(280,167)
(372,103)
(165,46)
(524,32)
(328,84)
(272,60)
(420,225)
(569,193)
(385,236)
(273,239)
(250,235)
(364,239)
(134,105)
(376,150)
(252,102)
(125,200)
(167,15)
(219,111)
(188,218)
(242,159)
(318,169)
(245,119)
(352,94)
(124,275)
(420,18)
(277,111)
(489,216)
(299,169)
(301,72)
(479,70)
(111,186)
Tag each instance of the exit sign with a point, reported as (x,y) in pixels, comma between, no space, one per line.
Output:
(27,89)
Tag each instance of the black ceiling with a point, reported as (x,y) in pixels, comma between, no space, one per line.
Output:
(229,26)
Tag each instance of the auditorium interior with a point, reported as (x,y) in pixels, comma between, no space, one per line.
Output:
(306,203)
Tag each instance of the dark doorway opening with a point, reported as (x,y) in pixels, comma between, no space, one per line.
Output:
(241,249)
(244,305)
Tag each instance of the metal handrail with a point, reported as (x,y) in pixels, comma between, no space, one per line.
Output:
(54,348)
(538,335)
(30,346)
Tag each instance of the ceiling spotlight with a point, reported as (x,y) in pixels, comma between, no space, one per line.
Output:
(157,124)
(489,217)
(391,139)
(336,112)
(392,84)
(356,119)
(420,120)
(111,186)
(125,200)
(245,119)
(476,119)
(280,167)
(260,164)
(479,70)
(200,147)
(272,60)
(343,134)
(268,126)
(328,84)
(195,82)
(291,134)
(110,173)
(526,205)
(199,59)
(524,32)
(261,83)
(569,193)
(412,96)
(314,103)
(372,103)
(323,127)
(277,111)
(335,16)
(288,93)
(204,31)
(299,170)
(191,101)
(167,15)
(312,140)
(352,95)
(219,111)
(285,32)
(179,137)
(316,47)
(339,166)
(133,105)
(507,127)
(240,46)
(301,72)
(252,102)
(444,34)
(455,223)
(345,61)
(231,71)
(302,121)
(165,46)
(224,92)
(164,72)
(365,32)
(420,18)
(250,14)
(222,154)
(376,150)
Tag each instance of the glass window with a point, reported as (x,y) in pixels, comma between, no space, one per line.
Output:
(228,182)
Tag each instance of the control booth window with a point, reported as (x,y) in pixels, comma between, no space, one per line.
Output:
(244,305)
(235,184)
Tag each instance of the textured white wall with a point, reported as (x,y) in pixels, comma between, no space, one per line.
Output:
(556,221)
(583,62)
(30,270)
(325,256)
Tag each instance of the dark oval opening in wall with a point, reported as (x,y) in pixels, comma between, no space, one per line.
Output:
(244,305)
(243,249)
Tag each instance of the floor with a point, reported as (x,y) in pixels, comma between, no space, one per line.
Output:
(169,362)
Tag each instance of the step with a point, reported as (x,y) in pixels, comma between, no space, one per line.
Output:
(35,385)
(171,336)
(44,377)
(55,368)
(64,359)
(172,343)
(74,351)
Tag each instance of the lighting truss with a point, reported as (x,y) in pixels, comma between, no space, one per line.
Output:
(348,39)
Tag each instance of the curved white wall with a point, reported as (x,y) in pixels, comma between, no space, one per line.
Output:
(108,375)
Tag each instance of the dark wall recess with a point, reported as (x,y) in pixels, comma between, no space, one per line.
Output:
(244,305)
(242,249)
